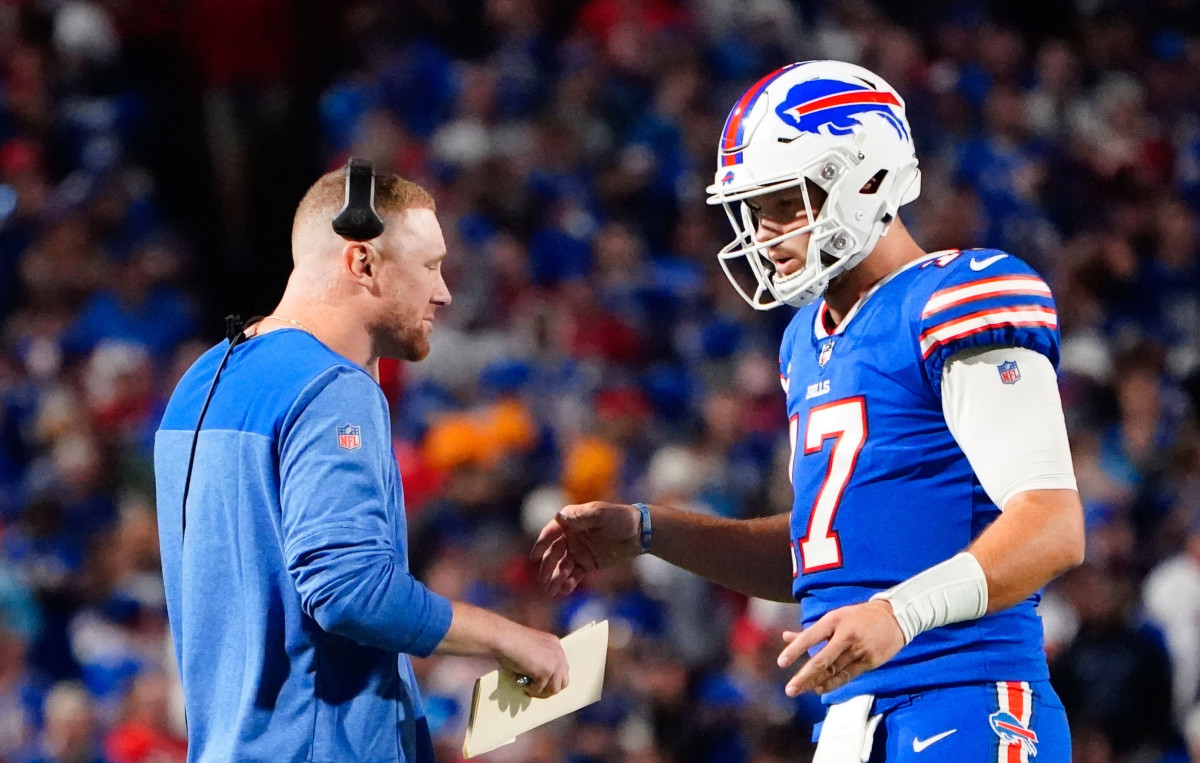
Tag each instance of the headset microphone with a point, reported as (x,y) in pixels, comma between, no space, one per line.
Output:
(358,220)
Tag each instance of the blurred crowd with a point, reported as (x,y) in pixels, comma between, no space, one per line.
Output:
(151,153)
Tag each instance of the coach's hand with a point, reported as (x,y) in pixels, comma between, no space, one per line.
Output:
(860,637)
(536,654)
(584,538)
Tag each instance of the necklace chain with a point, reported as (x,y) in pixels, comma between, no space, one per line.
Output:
(297,324)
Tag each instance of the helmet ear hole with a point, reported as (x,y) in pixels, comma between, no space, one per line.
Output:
(872,186)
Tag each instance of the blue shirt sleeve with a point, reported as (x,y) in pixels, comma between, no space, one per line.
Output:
(985,298)
(343,524)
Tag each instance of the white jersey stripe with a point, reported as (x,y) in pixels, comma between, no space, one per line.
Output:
(988,287)
(1025,315)
(1026,715)
(1002,701)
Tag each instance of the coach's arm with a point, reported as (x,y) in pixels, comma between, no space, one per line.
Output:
(347,559)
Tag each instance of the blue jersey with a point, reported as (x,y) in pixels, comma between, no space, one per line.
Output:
(290,600)
(882,490)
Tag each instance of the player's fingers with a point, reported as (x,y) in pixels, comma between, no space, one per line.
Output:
(566,577)
(548,555)
(576,576)
(583,553)
(571,582)
(551,558)
(849,665)
(552,532)
(580,516)
(818,668)
(563,567)
(799,643)
(835,680)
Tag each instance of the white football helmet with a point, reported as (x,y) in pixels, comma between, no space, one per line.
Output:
(837,125)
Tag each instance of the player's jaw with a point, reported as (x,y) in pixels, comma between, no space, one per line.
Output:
(779,214)
(789,256)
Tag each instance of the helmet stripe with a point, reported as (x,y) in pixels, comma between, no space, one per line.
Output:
(854,97)
(731,136)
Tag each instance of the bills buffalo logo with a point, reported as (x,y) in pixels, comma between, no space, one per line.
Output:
(1009,373)
(1011,730)
(833,107)
(349,437)
(727,178)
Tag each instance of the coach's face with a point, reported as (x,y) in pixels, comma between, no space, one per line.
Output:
(410,283)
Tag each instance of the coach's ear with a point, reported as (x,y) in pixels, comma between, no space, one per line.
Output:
(361,260)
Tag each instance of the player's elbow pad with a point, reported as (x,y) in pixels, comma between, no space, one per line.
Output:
(950,592)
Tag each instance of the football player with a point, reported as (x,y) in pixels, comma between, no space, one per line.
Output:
(934,492)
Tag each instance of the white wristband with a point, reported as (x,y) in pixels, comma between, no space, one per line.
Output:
(950,592)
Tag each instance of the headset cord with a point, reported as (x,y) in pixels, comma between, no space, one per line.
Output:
(235,332)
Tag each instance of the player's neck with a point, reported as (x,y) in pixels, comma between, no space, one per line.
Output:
(891,253)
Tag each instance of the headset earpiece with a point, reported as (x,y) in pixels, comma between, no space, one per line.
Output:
(358,220)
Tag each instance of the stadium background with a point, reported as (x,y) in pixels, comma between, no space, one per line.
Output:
(152,151)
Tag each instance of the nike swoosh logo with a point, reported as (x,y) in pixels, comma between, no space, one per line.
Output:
(981,264)
(921,744)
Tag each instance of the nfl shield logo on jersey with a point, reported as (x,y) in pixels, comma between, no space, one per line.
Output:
(826,352)
(349,437)
(1009,373)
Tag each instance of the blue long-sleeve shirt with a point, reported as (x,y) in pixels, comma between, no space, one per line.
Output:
(290,600)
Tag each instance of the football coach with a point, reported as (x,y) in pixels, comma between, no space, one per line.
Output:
(281,516)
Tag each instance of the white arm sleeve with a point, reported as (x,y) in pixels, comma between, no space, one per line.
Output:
(1013,434)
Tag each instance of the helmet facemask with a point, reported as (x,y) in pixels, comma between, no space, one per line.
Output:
(842,231)
(832,124)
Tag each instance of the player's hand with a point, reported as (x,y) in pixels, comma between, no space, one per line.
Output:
(860,637)
(536,654)
(584,538)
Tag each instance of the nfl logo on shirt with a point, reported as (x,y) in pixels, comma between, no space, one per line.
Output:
(1009,373)
(826,352)
(349,437)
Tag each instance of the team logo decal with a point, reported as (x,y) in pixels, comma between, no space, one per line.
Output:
(835,106)
(727,178)
(1009,373)
(826,352)
(1011,730)
(349,437)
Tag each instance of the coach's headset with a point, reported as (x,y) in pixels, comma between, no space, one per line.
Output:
(358,221)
